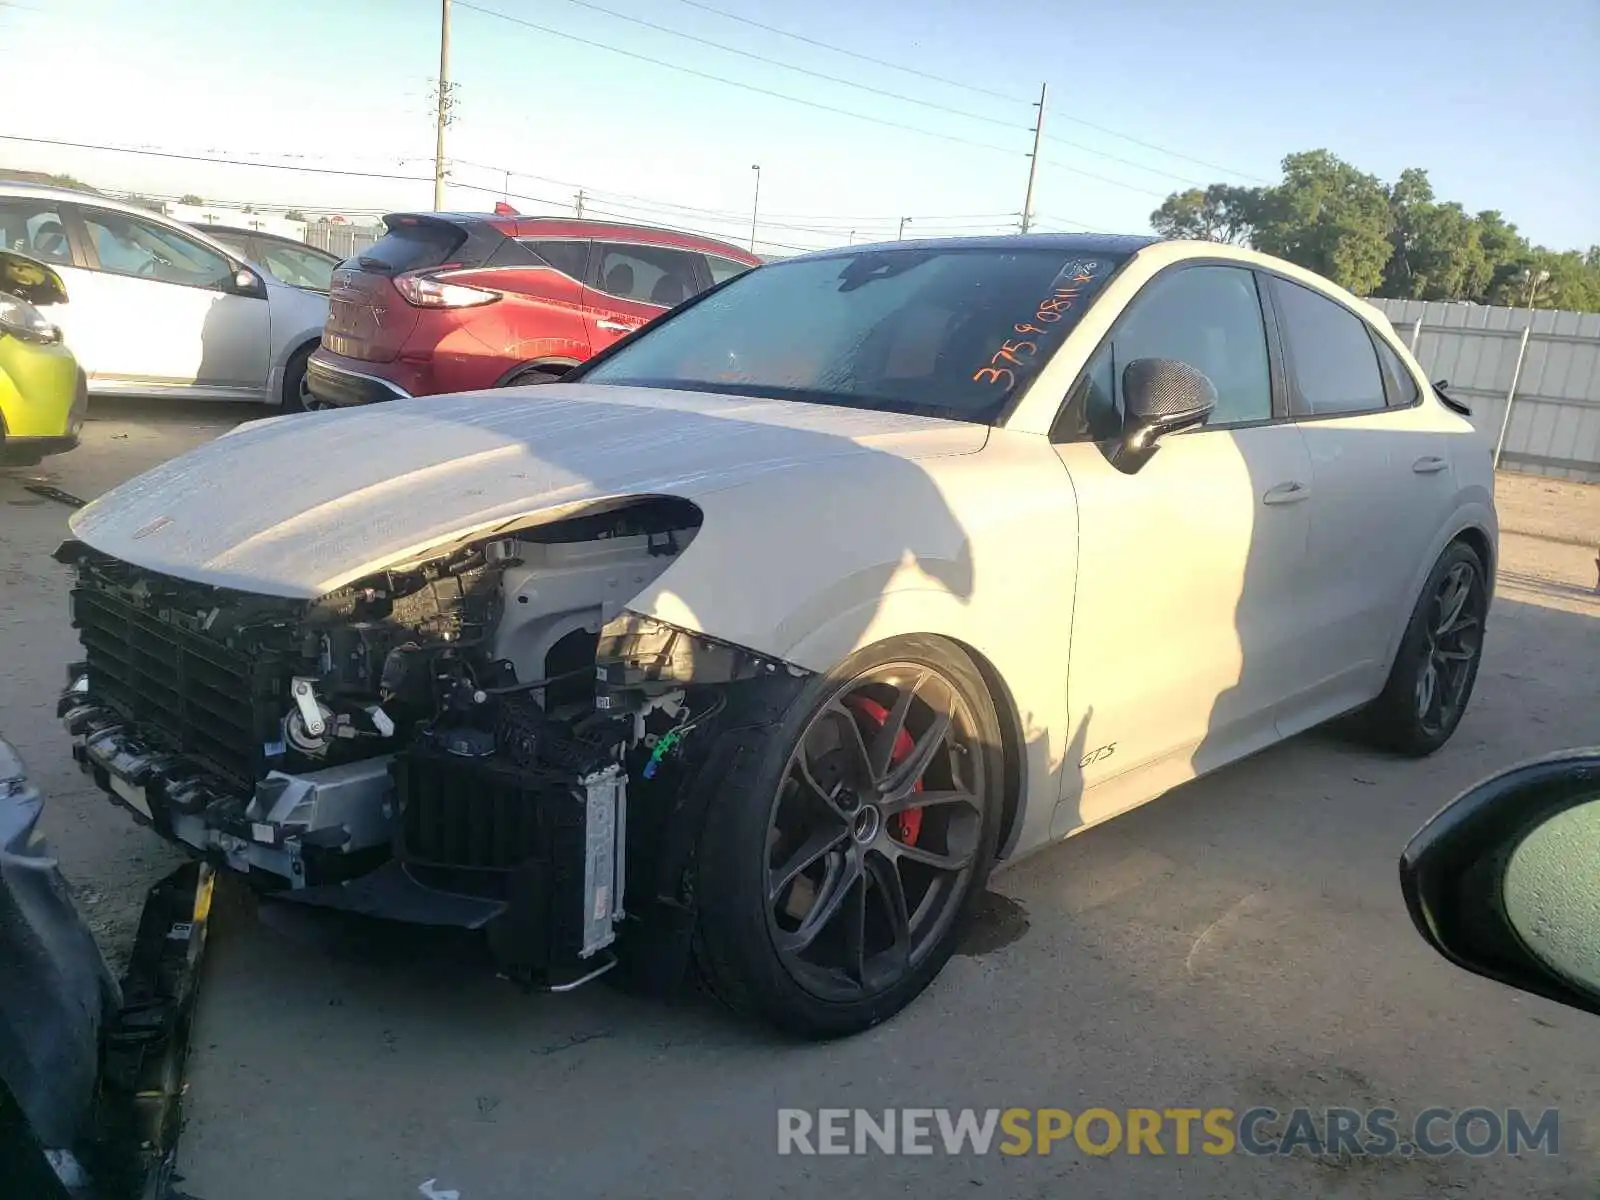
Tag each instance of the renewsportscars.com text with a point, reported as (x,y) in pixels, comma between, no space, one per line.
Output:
(1374,1132)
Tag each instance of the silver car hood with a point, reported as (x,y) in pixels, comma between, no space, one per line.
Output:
(299,505)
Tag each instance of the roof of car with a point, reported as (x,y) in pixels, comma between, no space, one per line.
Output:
(525,225)
(43,191)
(1072,243)
(75,196)
(241,231)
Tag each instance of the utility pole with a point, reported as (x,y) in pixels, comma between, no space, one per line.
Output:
(579,199)
(444,105)
(901,236)
(505,190)
(1033,159)
(755,206)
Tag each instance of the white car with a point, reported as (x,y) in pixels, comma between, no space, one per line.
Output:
(159,309)
(769,634)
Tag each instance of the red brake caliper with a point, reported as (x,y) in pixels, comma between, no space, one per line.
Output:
(903,827)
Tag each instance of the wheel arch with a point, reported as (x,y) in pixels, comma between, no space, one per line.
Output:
(537,364)
(306,343)
(1012,743)
(1475,526)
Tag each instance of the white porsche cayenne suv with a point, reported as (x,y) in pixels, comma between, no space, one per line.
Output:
(760,639)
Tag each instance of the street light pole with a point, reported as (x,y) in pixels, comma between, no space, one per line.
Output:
(901,236)
(443,115)
(755,206)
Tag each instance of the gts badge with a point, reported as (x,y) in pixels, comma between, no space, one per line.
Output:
(1099,755)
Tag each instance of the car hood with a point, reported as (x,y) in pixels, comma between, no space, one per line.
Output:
(300,505)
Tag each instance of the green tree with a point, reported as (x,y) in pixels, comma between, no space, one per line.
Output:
(1436,252)
(1329,218)
(1220,213)
(294,214)
(190,198)
(1398,240)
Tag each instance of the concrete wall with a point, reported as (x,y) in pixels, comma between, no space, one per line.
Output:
(1555,414)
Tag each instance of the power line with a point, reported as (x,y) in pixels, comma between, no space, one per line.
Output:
(971,87)
(800,37)
(232,162)
(1050,162)
(737,215)
(749,87)
(1199,162)
(775,62)
(864,87)
(1127,162)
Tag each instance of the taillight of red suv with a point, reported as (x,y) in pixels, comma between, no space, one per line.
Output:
(434,291)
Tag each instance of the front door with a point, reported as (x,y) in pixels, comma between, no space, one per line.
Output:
(1185,612)
(147,306)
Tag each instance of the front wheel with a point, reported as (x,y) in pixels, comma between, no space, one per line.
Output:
(1433,673)
(836,872)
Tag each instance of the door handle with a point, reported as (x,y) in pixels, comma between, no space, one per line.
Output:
(1430,465)
(615,326)
(1286,493)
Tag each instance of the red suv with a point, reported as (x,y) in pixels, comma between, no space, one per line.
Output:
(450,302)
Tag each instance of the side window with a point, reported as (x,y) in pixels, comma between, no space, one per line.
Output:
(1208,317)
(569,257)
(724,268)
(1398,382)
(302,268)
(1331,358)
(34,228)
(128,246)
(649,274)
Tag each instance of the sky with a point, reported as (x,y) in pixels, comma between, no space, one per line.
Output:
(1499,103)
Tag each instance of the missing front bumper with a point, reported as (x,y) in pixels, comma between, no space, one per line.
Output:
(534,857)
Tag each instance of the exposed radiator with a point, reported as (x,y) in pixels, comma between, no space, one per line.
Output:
(193,694)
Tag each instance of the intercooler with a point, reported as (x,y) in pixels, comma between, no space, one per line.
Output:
(194,694)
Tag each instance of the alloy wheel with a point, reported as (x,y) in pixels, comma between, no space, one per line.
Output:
(874,831)
(1453,639)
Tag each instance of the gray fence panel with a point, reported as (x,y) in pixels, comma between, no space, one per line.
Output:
(344,240)
(1555,416)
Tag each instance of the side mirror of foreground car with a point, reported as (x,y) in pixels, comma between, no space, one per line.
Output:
(245,282)
(1505,880)
(1162,396)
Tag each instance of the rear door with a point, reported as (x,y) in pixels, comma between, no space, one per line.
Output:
(1383,488)
(152,306)
(367,318)
(630,284)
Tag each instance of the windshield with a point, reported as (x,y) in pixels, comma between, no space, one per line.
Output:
(946,332)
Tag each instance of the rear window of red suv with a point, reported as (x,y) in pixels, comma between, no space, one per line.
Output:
(412,247)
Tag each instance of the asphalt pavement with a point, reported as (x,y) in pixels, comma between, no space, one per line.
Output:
(1239,943)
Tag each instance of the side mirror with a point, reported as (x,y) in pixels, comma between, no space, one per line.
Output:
(1505,880)
(1160,396)
(245,282)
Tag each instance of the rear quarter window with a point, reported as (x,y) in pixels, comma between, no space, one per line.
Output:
(1397,381)
(1333,363)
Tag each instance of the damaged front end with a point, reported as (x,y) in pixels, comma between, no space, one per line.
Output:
(483,737)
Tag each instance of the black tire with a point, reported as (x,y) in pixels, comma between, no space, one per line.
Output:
(1400,719)
(531,375)
(739,926)
(295,396)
